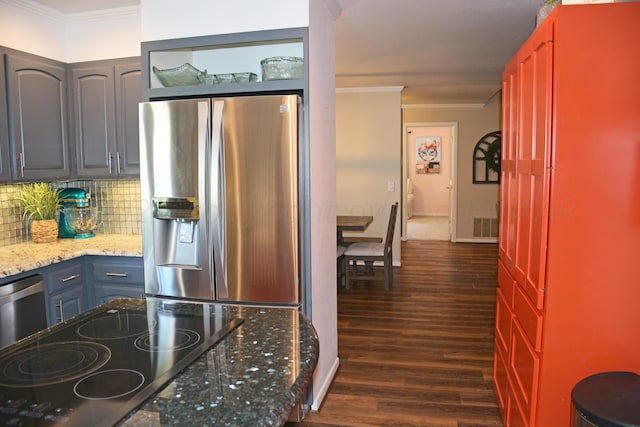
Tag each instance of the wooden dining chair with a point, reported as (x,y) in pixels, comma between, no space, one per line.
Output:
(370,252)
(341,266)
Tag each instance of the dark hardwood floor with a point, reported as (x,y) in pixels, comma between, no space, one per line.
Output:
(420,354)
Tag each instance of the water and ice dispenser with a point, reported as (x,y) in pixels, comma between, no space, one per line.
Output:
(175,228)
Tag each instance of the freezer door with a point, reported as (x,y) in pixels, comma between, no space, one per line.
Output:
(174,138)
(259,144)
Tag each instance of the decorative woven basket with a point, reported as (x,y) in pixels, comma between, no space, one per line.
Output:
(44,231)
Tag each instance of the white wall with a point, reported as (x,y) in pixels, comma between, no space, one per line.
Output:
(29,27)
(33,28)
(103,35)
(368,156)
(168,19)
(322,132)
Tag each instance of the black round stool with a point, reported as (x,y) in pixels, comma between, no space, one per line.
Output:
(609,399)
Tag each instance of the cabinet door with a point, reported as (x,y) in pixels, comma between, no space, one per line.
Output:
(501,379)
(62,276)
(106,292)
(5,174)
(116,277)
(524,370)
(128,90)
(37,117)
(94,121)
(64,290)
(533,169)
(66,304)
(508,187)
(117,270)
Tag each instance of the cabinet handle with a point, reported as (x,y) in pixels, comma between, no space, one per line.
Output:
(109,162)
(118,162)
(116,274)
(61,318)
(21,164)
(73,276)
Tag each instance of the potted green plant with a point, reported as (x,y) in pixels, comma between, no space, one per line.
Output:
(40,203)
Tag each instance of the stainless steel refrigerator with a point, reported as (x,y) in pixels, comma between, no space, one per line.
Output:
(220,204)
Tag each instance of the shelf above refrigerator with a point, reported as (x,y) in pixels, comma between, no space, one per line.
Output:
(261,61)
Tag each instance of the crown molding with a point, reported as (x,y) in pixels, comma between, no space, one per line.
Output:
(369,89)
(105,15)
(440,106)
(34,8)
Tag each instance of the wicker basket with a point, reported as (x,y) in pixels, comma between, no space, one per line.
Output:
(44,231)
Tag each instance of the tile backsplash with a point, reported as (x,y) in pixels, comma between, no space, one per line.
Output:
(117,201)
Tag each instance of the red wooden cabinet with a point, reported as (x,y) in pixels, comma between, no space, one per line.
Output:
(570,211)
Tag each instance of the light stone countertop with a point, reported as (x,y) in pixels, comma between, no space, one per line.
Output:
(16,259)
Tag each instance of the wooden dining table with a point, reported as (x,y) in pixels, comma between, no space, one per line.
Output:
(352,223)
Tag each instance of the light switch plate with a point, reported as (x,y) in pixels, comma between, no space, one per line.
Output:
(391,186)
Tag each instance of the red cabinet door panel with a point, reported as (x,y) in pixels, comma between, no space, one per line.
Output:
(529,318)
(516,416)
(500,380)
(533,170)
(524,369)
(503,322)
(508,187)
(506,282)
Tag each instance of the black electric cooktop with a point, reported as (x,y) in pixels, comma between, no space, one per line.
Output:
(96,369)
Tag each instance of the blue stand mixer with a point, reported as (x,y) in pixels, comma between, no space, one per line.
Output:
(77,217)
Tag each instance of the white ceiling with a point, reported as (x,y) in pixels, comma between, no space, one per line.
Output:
(440,51)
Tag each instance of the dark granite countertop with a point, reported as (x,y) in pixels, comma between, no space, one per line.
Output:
(253,377)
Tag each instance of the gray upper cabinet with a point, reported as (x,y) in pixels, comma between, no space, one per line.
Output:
(105,96)
(128,81)
(93,119)
(5,173)
(37,117)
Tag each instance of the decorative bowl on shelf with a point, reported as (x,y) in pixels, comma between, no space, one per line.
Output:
(223,78)
(281,68)
(212,79)
(244,77)
(184,75)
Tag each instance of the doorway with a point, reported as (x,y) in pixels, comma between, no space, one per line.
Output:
(429,163)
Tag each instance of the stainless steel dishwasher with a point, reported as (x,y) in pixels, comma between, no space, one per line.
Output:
(22,309)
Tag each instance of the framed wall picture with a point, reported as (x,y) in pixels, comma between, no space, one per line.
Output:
(428,149)
(428,154)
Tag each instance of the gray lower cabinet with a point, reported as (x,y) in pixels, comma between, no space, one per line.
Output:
(65,291)
(74,286)
(36,116)
(105,96)
(115,277)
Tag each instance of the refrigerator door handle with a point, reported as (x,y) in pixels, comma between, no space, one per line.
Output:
(217,197)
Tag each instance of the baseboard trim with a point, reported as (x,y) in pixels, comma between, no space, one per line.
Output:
(479,240)
(324,389)
(428,215)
